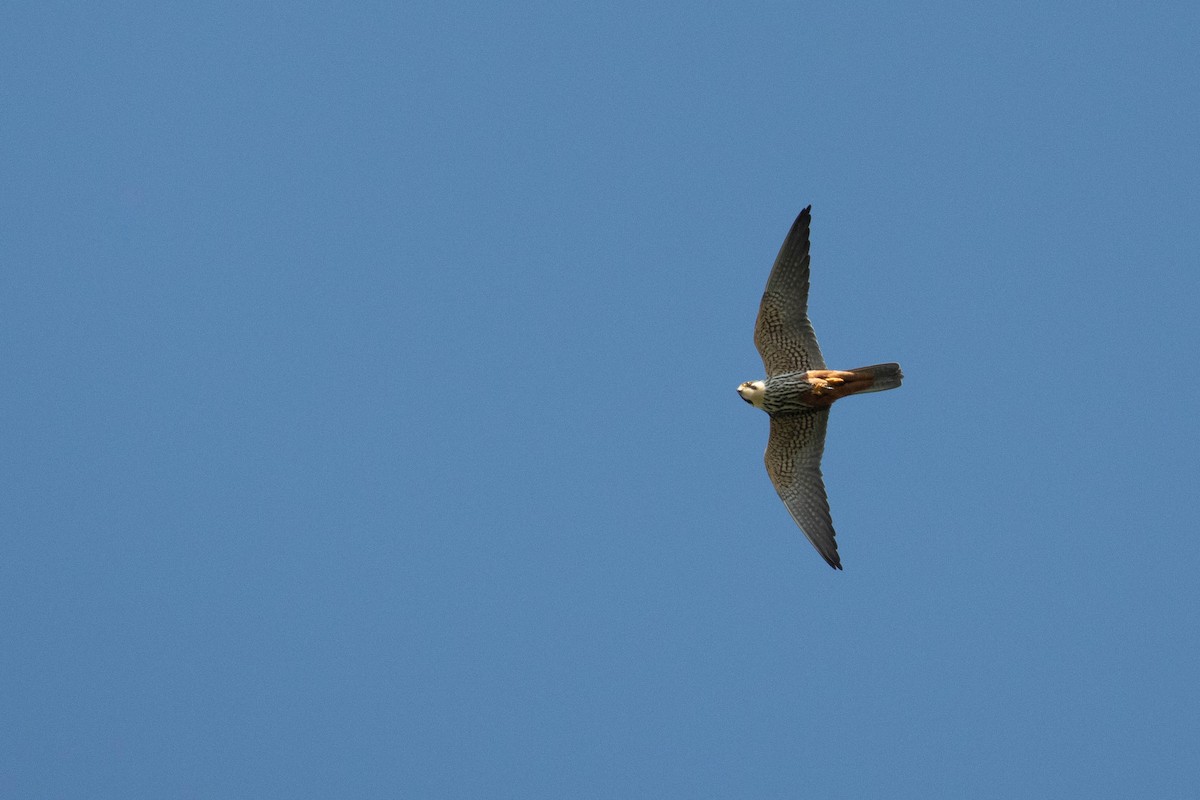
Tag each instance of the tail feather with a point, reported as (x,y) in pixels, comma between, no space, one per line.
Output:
(883,377)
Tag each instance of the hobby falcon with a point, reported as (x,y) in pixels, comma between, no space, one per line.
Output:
(799,390)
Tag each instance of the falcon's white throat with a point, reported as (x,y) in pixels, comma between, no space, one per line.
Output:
(753,392)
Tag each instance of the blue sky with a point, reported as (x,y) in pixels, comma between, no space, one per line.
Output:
(369,414)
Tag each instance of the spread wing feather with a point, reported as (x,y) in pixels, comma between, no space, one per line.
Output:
(782,333)
(793,460)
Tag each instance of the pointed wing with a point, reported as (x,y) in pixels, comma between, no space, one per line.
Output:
(793,461)
(783,335)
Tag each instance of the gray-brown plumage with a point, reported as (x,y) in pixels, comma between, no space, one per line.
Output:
(799,390)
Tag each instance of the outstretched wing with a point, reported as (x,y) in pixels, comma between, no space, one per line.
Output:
(783,335)
(793,461)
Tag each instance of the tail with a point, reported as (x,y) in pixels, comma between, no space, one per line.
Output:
(882,377)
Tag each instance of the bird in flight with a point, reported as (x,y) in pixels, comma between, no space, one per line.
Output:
(799,390)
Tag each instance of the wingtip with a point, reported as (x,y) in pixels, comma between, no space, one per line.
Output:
(831,557)
(796,241)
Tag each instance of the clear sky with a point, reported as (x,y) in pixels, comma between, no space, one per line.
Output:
(369,424)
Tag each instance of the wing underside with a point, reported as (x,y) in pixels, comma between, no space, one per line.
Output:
(793,461)
(782,333)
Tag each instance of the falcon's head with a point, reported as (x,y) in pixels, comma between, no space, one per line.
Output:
(752,392)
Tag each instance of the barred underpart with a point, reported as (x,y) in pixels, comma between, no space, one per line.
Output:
(786,393)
